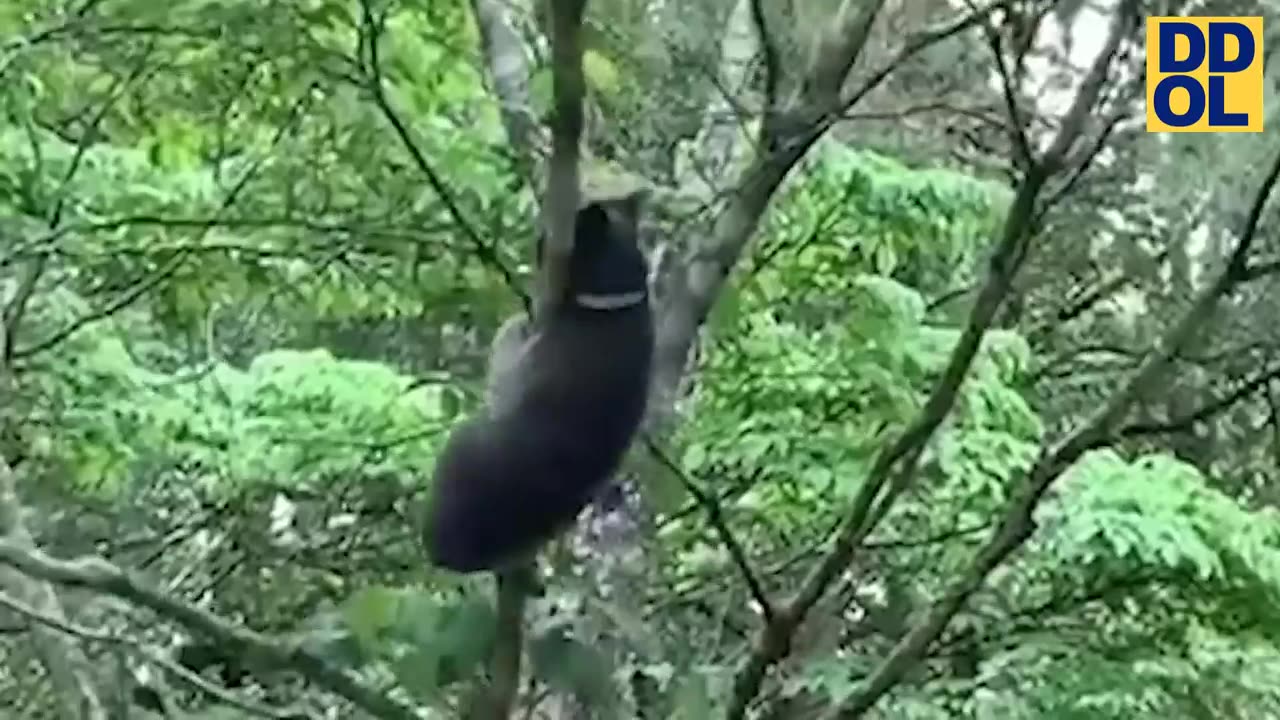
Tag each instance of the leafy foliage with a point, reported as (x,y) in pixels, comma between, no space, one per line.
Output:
(252,315)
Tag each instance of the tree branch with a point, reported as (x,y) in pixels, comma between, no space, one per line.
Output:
(772,61)
(1017,125)
(715,516)
(509,73)
(167,270)
(691,289)
(560,209)
(371,31)
(1016,524)
(98,574)
(1186,421)
(13,313)
(65,662)
(893,465)
(195,680)
(560,205)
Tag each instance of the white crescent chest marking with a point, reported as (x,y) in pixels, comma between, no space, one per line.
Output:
(616,301)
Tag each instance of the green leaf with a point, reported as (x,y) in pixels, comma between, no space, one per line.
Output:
(573,667)
(600,72)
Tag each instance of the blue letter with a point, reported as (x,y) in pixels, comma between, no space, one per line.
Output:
(1218,116)
(1218,62)
(1195,105)
(1169,32)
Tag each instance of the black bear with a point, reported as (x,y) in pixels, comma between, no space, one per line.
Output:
(565,402)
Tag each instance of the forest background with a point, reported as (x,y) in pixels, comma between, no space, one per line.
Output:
(967,399)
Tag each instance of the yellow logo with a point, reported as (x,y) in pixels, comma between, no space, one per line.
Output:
(1204,74)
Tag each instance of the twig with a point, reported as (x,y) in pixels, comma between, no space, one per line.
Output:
(1017,126)
(715,516)
(14,312)
(771,58)
(166,271)
(43,245)
(371,29)
(1187,420)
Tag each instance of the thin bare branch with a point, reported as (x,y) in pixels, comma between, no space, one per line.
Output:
(46,244)
(65,664)
(371,30)
(771,59)
(715,516)
(691,292)
(1017,125)
(917,43)
(1187,421)
(13,313)
(1088,154)
(166,271)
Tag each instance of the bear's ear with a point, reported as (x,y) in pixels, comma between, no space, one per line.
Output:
(627,206)
(592,223)
(624,210)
